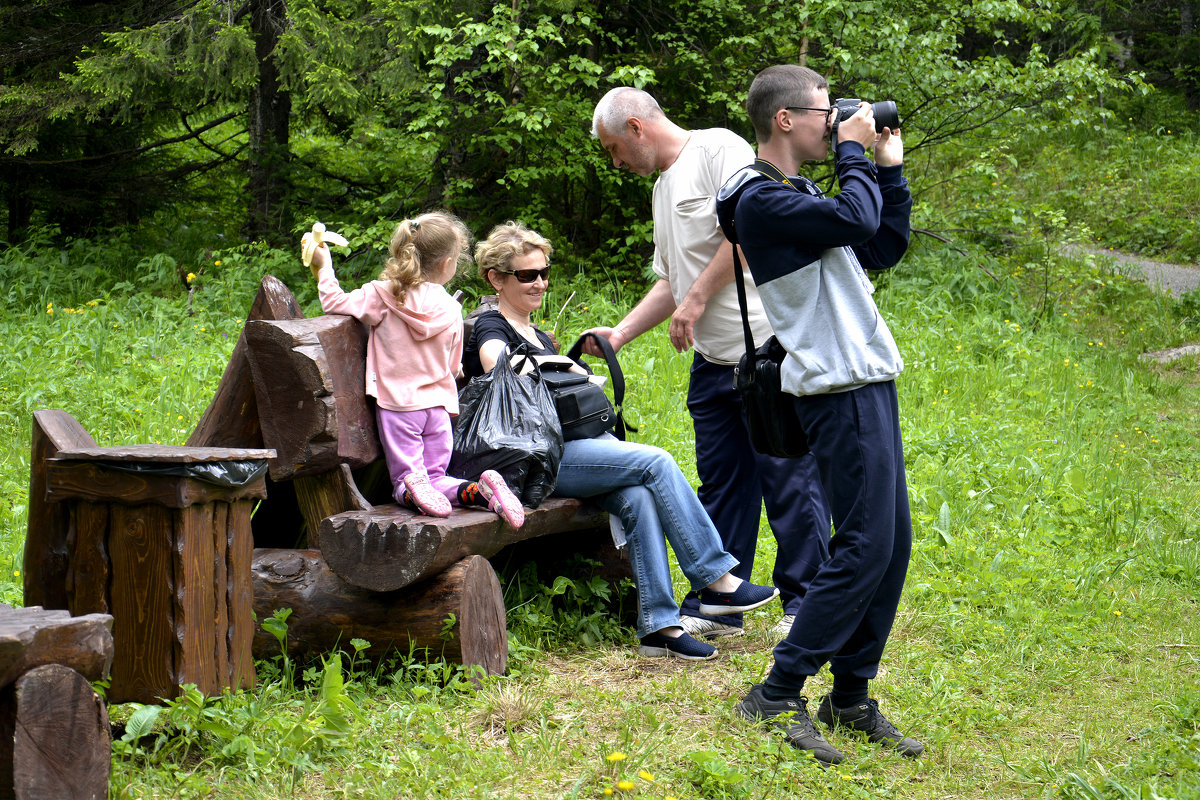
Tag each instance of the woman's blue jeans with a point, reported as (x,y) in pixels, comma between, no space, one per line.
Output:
(643,486)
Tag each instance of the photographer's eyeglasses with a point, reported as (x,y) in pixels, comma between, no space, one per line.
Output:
(828,112)
(528,275)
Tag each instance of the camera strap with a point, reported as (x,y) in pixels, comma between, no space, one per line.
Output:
(764,167)
(774,173)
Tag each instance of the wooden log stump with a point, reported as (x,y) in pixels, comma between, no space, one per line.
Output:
(327,612)
(309,381)
(168,555)
(389,547)
(54,737)
(321,496)
(47,554)
(231,419)
(34,637)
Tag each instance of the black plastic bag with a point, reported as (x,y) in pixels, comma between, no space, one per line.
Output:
(507,422)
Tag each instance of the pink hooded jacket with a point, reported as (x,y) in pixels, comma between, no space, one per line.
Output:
(414,349)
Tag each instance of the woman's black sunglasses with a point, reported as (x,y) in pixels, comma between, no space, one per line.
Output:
(528,275)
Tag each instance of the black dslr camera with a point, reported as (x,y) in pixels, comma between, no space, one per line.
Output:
(886,115)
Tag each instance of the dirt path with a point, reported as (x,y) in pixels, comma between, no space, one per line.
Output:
(1177,279)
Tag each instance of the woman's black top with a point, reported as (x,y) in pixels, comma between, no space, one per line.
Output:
(492,325)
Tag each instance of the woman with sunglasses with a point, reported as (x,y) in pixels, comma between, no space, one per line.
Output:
(640,484)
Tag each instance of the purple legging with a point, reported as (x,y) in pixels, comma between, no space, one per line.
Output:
(418,441)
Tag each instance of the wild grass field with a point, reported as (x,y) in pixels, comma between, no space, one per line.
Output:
(1048,641)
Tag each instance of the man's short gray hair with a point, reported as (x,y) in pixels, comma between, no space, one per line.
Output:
(621,103)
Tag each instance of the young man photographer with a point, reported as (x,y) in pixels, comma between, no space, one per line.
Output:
(807,253)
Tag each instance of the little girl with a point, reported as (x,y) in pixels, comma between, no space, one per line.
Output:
(414,352)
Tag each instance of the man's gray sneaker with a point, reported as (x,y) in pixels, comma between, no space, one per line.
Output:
(708,628)
(866,718)
(790,716)
(781,629)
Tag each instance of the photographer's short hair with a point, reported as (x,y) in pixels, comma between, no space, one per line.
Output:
(621,103)
(505,243)
(778,87)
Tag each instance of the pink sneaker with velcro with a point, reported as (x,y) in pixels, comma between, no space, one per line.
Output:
(426,498)
(501,499)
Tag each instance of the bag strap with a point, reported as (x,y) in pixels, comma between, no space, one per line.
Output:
(525,352)
(768,170)
(614,371)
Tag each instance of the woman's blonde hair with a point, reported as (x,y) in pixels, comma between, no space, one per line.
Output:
(420,245)
(505,243)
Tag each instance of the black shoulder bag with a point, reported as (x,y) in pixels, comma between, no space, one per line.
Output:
(770,413)
(584,410)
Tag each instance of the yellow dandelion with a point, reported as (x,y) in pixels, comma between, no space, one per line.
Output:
(191,277)
(646,776)
(617,756)
(624,786)
(217,263)
(608,790)
(1116,613)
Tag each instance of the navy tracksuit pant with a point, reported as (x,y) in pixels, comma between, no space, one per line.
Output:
(735,481)
(846,615)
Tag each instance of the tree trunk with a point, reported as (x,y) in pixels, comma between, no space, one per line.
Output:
(1189,49)
(54,737)
(269,117)
(458,614)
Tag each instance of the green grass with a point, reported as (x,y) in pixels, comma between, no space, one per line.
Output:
(1118,188)
(1047,645)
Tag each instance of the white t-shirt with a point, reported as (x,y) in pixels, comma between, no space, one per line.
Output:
(686,237)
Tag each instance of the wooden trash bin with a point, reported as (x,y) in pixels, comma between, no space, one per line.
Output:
(159,537)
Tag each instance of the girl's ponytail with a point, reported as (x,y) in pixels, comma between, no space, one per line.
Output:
(420,246)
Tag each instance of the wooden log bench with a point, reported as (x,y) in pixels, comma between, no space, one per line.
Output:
(328,541)
(309,379)
(54,733)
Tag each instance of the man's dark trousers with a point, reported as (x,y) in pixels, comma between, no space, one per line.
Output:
(847,614)
(735,481)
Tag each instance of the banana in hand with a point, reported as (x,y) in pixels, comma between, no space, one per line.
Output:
(315,238)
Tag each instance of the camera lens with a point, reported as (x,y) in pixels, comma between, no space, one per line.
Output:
(886,115)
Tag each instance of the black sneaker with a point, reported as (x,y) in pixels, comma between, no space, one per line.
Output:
(682,646)
(746,597)
(790,716)
(866,718)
